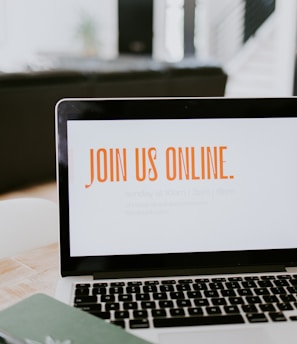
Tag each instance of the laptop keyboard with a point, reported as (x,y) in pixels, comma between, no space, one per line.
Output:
(139,304)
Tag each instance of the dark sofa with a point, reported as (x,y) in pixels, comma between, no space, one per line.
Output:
(27,134)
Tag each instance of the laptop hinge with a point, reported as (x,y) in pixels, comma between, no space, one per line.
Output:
(187,272)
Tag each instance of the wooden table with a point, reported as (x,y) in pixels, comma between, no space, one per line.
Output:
(29,273)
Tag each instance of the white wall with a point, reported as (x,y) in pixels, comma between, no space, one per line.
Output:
(41,26)
(219,28)
(32,29)
(168,23)
(286,18)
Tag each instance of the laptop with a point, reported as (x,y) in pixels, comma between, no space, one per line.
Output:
(178,216)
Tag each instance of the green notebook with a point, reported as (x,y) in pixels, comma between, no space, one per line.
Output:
(41,319)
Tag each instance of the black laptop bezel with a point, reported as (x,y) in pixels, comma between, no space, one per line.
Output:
(162,108)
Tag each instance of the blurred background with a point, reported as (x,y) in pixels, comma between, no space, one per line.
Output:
(254,39)
(118,48)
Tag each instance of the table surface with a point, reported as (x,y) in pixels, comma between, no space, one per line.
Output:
(32,272)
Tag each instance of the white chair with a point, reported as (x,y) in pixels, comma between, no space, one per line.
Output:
(27,223)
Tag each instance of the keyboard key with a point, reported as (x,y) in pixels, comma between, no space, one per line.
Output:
(124,297)
(130,305)
(183,303)
(198,320)
(267,307)
(151,282)
(218,279)
(85,299)
(249,308)
(201,302)
(194,294)
(195,311)
(251,278)
(256,317)
(112,306)
(270,298)
(278,290)
(265,284)
(183,287)
(99,290)
(213,310)
(211,293)
(219,301)
(100,285)
(169,282)
(281,283)
(142,297)
(202,280)
(175,312)
(231,309)
(244,292)
(121,314)
(133,289)
(185,281)
(236,300)
(249,284)
(135,283)
(228,293)
(150,289)
(88,307)
(166,304)
(120,323)
(233,279)
(277,316)
(116,290)
(159,313)
(200,286)
(166,287)
(140,314)
(232,285)
(216,286)
(107,298)
(148,304)
(177,295)
(283,277)
(287,298)
(268,277)
(82,285)
(261,291)
(117,284)
(160,296)
(253,299)
(284,306)
(139,323)
(82,291)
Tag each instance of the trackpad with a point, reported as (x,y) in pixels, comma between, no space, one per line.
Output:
(222,336)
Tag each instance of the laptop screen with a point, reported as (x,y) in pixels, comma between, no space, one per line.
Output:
(188,185)
(176,179)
